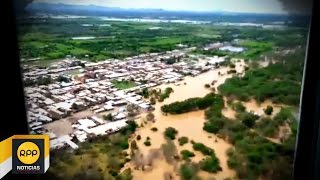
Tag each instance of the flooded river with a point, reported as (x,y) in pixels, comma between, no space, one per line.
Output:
(188,124)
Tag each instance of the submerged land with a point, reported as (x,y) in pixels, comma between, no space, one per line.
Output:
(138,99)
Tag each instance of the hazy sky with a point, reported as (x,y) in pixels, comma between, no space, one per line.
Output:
(255,6)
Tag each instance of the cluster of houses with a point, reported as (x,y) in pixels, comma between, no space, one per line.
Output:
(85,128)
(93,89)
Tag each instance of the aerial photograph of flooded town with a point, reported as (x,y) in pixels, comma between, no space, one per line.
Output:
(164,90)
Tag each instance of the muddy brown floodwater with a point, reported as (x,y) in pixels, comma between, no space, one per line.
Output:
(188,124)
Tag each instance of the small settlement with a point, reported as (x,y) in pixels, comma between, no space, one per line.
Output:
(70,86)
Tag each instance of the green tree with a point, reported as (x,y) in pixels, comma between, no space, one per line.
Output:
(147,143)
(108,117)
(183,140)
(150,116)
(214,125)
(138,137)
(231,65)
(152,101)
(145,93)
(188,171)
(186,154)
(247,118)
(203,149)
(239,107)
(210,164)
(170,133)
(268,110)
(134,145)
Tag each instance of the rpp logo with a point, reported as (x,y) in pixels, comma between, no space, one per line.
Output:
(28,153)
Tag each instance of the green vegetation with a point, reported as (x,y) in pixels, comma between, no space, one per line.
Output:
(238,107)
(252,50)
(130,128)
(144,93)
(154,129)
(52,38)
(270,127)
(247,118)
(207,85)
(280,82)
(107,117)
(150,116)
(186,154)
(123,84)
(99,157)
(267,127)
(147,143)
(232,71)
(188,171)
(214,117)
(203,149)
(268,110)
(183,140)
(166,94)
(213,125)
(134,145)
(284,115)
(139,137)
(152,101)
(253,155)
(192,104)
(255,48)
(160,96)
(232,65)
(170,133)
(125,175)
(210,164)
(169,151)
(213,114)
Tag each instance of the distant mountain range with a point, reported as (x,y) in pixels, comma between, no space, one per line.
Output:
(93,9)
(117,12)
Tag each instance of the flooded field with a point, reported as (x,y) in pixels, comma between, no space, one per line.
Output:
(188,124)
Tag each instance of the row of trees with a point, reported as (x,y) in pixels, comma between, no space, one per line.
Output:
(192,104)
